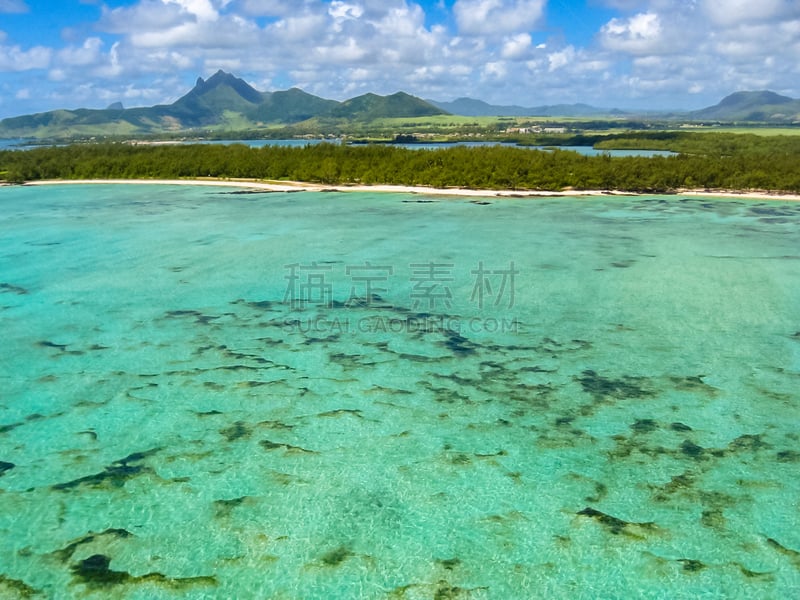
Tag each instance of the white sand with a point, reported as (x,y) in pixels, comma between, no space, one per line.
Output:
(296,186)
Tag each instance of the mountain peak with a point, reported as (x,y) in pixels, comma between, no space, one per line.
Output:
(222,80)
(220,77)
(373,106)
(751,106)
(754,98)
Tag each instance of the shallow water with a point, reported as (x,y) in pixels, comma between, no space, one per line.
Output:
(442,398)
(20,144)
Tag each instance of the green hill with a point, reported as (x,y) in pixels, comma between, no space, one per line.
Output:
(752,106)
(290,106)
(207,102)
(371,106)
(478,108)
(222,101)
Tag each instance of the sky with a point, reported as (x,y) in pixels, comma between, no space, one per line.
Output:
(645,54)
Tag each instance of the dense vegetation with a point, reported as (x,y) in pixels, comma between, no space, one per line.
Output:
(707,161)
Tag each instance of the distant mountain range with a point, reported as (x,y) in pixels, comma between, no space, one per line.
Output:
(478,108)
(751,106)
(223,101)
(763,106)
(227,102)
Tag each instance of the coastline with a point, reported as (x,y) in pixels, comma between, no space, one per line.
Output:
(297,186)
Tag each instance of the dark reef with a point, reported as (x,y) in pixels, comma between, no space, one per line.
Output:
(114,475)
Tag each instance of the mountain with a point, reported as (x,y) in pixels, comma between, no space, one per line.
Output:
(207,102)
(291,106)
(470,107)
(372,106)
(223,102)
(751,106)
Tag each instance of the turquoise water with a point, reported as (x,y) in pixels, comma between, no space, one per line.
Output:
(17,144)
(442,398)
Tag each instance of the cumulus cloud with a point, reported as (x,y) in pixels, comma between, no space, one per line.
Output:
(86,54)
(147,15)
(491,17)
(639,34)
(710,47)
(496,50)
(13,6)
(203,10)
(516,46)
(14,58)
(560,59)
(273,8)
(495,70)
(732,12)
(344,10)
(295,30)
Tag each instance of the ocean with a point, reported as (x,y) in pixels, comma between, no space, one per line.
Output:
(216,393)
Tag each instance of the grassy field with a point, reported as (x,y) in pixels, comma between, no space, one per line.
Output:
(483,122)
(755,130)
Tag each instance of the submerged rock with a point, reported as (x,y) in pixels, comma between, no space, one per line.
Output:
(16,588)
(95,571)
(115,475)
(66,553)
(336,556)
(236,431)
(691,564)
(612,523)
(623,388)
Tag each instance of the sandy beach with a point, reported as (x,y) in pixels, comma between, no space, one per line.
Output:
(297,186)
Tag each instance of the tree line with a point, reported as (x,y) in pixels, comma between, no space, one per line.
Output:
(724,161)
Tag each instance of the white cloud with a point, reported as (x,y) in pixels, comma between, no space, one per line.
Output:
(14,58)
(495,70)
(296,30)
(496,50)
(147,15)
(348,52)
(732,12)
(560,59)
(343,10)
(516,46)
(202,9)
(87,54)
(274,8)
(492,17)
(639,34)
(13,6)
(228,33)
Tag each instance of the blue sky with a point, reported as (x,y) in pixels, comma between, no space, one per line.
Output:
(610,53)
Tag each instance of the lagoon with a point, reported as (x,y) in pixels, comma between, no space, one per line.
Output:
(20,144)
(584,150)
(221,393)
